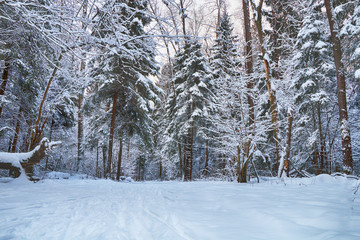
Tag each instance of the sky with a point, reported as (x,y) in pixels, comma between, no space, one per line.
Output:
(207,30)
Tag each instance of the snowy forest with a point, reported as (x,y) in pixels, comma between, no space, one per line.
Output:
(182,89)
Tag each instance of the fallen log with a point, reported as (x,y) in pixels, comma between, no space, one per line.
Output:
(15,161)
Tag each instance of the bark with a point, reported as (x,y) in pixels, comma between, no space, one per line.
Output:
(206,157)
(118,172)
(191,151)
(80,157)
(183,17)
(35,138)
(111,138)
(97,162)
(341,92)
(50,138)
(17,131)
(271,92)
(275,33)
(238,168)
(139,169)
(242,172)
(219,4)
(28,136)
(14,171)
(185,158)
(321,140)
(316,153)
(9,145)
(80,148)
(286,163)
(5,77)
(180,161)
(188,155)
(104,151)
(160,170)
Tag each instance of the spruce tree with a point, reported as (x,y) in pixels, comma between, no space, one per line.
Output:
(191,102)
(314,83)
(121,70)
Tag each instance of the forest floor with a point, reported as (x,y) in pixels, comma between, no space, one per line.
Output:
(322,207)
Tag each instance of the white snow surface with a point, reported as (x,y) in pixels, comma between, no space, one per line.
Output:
(322,207)
(357,74)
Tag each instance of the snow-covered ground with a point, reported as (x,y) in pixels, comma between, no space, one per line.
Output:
(316,208)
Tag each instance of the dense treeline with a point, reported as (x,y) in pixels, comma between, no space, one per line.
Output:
(169,90)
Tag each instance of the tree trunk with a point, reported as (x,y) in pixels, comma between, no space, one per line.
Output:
(191,152)
(9,145)
(5,77)
(97,162)
(139,169)
(238,168)
(183,16)
(188,155)
(206,157)
(118,172)
(180,161)
(104,151)
(50,138)
(111,138)
(341,92)
(243,172)
(321,140)
(17,131)
(250,85)
(284,167)
(271,92)
(160,170)
(275,32)
(80,148)
(219,4)
(27,138)
(315,153)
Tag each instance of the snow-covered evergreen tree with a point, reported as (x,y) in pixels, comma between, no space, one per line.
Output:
(122,67)
(190,104)
(351,47)
(314,83)
(225,72)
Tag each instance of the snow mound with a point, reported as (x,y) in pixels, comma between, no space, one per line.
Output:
(126,179)
(325,178)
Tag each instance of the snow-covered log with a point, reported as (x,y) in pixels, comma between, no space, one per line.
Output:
(15,161)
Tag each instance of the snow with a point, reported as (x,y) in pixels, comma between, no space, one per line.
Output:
(357,74)
(322,207)
(320,45)
(14,158)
